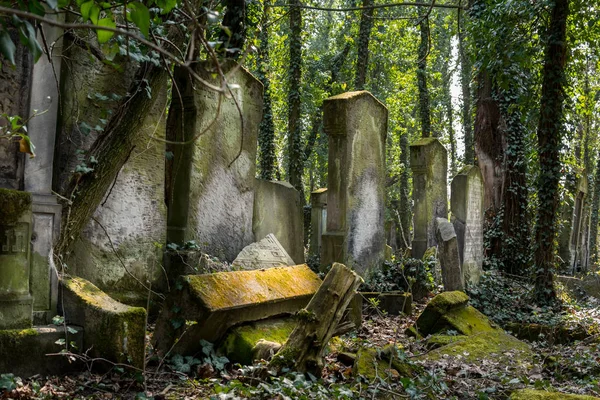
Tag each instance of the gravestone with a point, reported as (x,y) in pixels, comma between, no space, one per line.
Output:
(212,179)
(466,204)
(267,253)
(15,257)
(278,210)
(131,218)
(318,220)
(452,275)
(572,247)
(356,124)
(43,110)
(429,165)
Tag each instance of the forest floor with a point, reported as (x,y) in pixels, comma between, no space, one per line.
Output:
(568,368)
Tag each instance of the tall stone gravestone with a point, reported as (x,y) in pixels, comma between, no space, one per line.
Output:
(211,188)
(452,274)
(429,165)
(318,219)
(466,204)
(356,124)
(15,255)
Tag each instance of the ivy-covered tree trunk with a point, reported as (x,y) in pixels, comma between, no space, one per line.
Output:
(405,209)
(233,34)
(595,206)
(465,83)
(422,53)
(445,49)
(295,150)
(549,136)
(364,35)
(266,134)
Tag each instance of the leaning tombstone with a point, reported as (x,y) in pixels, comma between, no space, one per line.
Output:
(356,124)
(452,276)
(467,217)
(429,165)
(318,220)
(15,256)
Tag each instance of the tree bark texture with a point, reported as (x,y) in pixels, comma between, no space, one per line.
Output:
(465,83)
(234,36)
(422,53)
(595,206)
(303,351)
(549,144)
(364,36)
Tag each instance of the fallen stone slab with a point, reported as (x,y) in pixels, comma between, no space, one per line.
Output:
(26,352)
(113,330)
(213,303)
(246,343)
(530,394)
(267,253)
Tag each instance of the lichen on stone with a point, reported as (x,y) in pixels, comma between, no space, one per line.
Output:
(13,204)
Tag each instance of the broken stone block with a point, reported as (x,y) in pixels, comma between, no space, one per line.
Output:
(278,210)
(26,352)
(267,253)
(530,394)
(113,330)
(216,302)
(449,256)
(449,311)
(246,343)
(15,259)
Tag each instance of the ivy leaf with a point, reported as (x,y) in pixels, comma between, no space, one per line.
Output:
(140,16)
(28,38)
(86,9)
(104,36)
(7,47)
(166,5)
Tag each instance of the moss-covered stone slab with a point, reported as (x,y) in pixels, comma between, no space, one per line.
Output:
(370,366)
(559,334)
(530,394)
(495,345)
(436,341)
(437,307)
(114,331)
(25,352)
(240,344)
(219,301)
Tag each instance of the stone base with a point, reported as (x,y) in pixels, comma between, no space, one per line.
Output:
(333,248)
(26,352)
(16,313)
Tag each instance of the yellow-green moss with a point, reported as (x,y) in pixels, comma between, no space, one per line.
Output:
(92,295)
(226,290)
(446,301)
(467,321)
(424,141)
(478,347)
(369,365)
(13,204)
(530,394)
(436,341)
(15,335)
(241,340)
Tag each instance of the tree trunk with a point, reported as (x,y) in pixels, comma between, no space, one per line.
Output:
(549,143)
(404,238)
(593,241)
(295,154)
(266,135)
(465,83)
(364,35)
(303,351)
(423,52)
(234,36)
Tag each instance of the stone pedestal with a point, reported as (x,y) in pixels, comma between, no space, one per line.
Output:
(356,124)
(212,185)
(467,217)
(429,165)
(318,220)
(15,257)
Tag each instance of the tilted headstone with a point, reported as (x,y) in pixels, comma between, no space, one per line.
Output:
(452,275)
(278,210)
(132,217)
(466,205)
(356,124)
(212,177)
(15,256)
(429,165)
(318,220)
(267,253)
(571,246)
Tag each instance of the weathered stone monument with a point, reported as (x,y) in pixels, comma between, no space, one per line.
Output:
(429,165)
(571,247)
(318,220)
(278,211)
(356,124)
(452,274)
(211,177)
(267,253)
(466,204)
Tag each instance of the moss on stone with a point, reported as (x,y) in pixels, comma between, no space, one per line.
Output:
(431,319)
(240,341)
(467,321)
(530,394)
(15,335)
(446,301)
(424,141)
(436,341)
(13,204)
(369,365)
(475,348)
